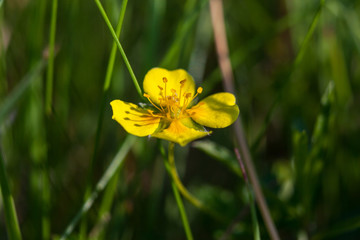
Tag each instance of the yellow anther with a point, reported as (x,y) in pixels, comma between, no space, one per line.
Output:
(199,90)
(173,91)
(148,97)
(165,80)
(182,82)
(187,95)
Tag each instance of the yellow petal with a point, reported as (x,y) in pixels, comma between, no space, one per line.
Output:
(179,131)
(155,79)
(134,119)
(216,111)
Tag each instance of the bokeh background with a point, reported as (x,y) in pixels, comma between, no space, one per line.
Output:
(297,83)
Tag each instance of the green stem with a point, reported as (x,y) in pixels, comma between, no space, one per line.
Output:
(109,72)
(50,69)
(110,67)
(114,166)
(171,168)
(177,195)
(127,63)
(11,220)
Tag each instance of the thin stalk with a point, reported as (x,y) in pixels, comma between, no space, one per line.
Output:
(251,198)
(178,198)
(110,67)
(309,34)
(122,52)
(107,82)
(171,168)
(114,166)
(50,69)
(218,23)
(12,225)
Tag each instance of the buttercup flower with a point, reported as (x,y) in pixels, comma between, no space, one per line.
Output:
(171,114)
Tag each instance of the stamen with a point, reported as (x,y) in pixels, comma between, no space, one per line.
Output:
(198,91)
(188,95)
(160,88)
(165,81)
(152,113)
(148,97)
(182,82)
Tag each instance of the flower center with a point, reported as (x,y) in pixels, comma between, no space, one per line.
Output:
(173,104)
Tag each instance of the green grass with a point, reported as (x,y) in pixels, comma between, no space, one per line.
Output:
(71,172)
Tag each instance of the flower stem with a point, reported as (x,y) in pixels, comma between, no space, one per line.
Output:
(171,168)
(11,220)
(177,195)
(122,52)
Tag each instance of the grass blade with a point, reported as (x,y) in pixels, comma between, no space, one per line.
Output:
(11,220)
(109,173)
(50,70)
(109,73)
(127,63)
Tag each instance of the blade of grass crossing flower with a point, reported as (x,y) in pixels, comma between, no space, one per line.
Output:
(109,173)
(50,70)
(177,195)
(127,63)
(107,82)
(11,220)
(20,89)
(111,62)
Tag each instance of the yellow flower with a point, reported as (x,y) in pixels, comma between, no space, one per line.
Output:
(171,114)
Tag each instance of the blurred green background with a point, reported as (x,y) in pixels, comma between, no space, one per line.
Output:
(300,112)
